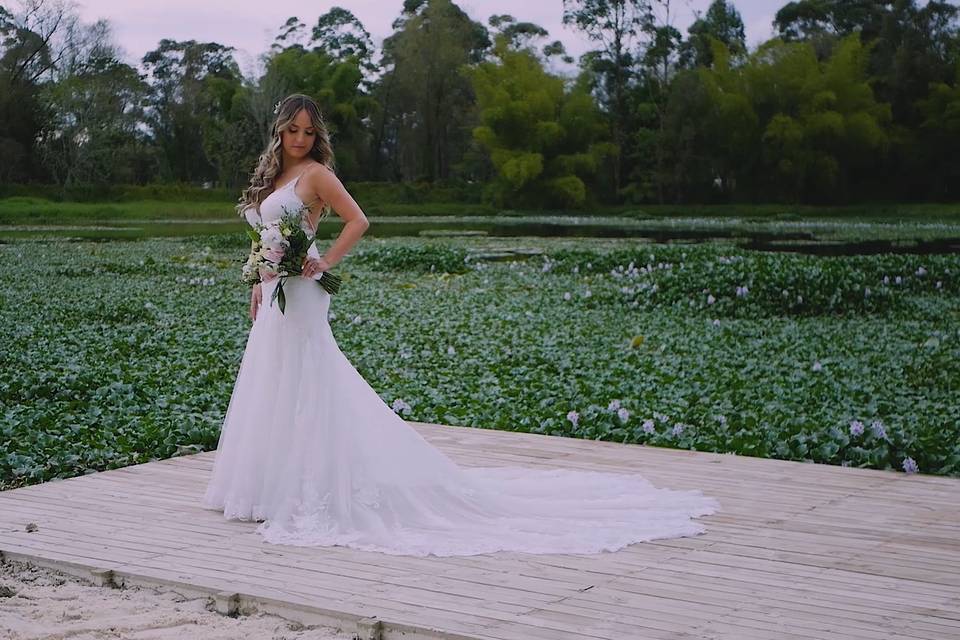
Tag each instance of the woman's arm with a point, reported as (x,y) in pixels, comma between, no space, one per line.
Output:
(329,189)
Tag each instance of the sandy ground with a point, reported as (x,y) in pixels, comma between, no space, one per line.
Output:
(42,604)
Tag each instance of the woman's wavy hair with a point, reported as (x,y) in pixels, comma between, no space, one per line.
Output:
(270,164)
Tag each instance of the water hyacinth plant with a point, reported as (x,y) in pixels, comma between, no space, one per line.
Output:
(110,371)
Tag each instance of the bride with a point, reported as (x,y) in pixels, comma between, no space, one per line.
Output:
(308,449)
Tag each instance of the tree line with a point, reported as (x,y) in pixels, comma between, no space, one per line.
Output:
(851,101)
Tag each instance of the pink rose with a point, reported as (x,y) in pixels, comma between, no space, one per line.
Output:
(274,254)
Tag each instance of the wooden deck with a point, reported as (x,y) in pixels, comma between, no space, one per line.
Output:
(797,551)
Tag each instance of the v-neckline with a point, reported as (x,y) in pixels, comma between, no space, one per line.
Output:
(290,182)
(299,199)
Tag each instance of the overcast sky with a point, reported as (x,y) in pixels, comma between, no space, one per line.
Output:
(251,26)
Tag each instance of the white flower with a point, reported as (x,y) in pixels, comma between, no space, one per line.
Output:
(271,237)
(623,414)
(817,366)
(451,351)
(921,271)
(566,295)
(711,299)
(898,280)
(866,292)
(399,406)
(356,320)
(886,279)
(716,322)
(573,417)
(587,293)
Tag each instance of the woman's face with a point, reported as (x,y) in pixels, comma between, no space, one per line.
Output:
(299,137)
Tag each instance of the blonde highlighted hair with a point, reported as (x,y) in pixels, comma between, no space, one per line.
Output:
(270,164)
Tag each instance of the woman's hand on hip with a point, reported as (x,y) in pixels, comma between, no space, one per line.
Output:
(312,266)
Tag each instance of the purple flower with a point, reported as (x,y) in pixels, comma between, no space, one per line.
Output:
(623,414)
(878,429)
(648,426)
(677,429)
(910,465)
(573,417)
(856,428)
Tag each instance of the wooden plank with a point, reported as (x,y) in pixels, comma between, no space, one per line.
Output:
(796,551)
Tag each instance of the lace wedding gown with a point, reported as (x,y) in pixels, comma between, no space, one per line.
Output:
(310,449)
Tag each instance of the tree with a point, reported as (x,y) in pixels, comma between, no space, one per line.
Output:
(95,104)
(32,44)
(615,25)
(712,131)
(427,101)
(546,142)
(824,131)
(339,34)
(939,137)
(723,23)
(811,19)
(188,80)
(336,85)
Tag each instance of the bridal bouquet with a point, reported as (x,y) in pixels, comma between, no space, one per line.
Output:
(279,248)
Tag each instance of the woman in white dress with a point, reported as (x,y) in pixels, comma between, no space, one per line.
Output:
(312,452)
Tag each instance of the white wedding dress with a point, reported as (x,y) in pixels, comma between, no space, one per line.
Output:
(310,449)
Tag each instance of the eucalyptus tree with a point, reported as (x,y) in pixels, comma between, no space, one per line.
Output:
(427,102)
(616,26)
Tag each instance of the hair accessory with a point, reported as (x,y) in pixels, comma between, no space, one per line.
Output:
(276,107)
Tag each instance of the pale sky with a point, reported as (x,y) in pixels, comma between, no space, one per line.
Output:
(251,26)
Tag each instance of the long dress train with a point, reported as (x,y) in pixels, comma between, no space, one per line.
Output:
(310,449)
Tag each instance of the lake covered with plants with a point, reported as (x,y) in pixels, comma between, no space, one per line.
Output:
(125,351)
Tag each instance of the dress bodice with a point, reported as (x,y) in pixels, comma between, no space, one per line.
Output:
(276,203)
